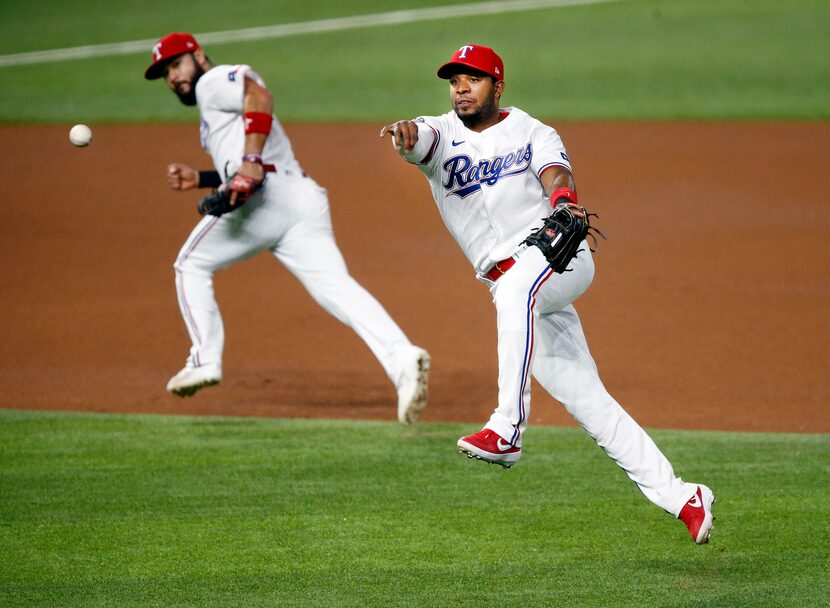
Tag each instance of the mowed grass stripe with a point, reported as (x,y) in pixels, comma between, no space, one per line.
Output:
(103,510)
(320,26)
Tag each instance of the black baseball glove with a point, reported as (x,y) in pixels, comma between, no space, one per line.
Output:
(562,233)
(230,197)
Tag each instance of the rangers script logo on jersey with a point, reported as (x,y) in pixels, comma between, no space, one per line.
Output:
(464,177)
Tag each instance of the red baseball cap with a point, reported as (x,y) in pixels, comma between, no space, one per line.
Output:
(167,49)
(481,58)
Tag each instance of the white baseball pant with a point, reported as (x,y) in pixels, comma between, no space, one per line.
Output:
(539,332)
(290,218)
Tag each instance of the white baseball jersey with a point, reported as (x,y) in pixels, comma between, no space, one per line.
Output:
(220,93)
(486,185)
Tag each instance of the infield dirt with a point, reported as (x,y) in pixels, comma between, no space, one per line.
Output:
(708,311)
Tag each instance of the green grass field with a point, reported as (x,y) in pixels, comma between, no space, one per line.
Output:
(104,510)
(632,59)
(147,511)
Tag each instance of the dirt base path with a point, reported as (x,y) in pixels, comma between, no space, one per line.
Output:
(709,308)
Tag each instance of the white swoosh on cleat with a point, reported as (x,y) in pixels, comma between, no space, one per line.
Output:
(503,445)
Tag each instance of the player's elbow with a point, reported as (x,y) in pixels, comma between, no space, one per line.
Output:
(267,101)
(258,99)
(261,100)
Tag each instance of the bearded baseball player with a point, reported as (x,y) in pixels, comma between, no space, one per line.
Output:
(494,174)
(263,202)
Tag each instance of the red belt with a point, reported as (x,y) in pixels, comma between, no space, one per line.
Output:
(273,169)
(498,269)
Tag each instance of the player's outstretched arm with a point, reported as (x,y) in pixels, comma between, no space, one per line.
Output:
(404,134)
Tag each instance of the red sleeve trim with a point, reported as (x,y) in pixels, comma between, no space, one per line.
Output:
(549,165)
(432,148)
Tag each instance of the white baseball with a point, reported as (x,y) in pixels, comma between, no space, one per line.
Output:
(80,135)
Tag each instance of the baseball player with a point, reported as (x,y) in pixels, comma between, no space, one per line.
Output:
(494,173)
(270,204)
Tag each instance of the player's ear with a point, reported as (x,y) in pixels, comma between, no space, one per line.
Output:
(499,86)
(201,58)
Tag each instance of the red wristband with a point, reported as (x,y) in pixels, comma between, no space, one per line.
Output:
(252,158)
(565,193)
(257,122)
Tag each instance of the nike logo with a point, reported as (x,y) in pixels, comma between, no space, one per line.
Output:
(694,502)
(503,445)
(457,143)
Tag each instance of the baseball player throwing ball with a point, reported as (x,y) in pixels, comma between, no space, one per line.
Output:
(494,173)
(264,202)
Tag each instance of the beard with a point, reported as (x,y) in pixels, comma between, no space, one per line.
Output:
(485,112)
(189,98)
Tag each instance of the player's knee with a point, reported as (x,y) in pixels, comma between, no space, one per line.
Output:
(600,416)
(192,266)
(180,264)
(322,290)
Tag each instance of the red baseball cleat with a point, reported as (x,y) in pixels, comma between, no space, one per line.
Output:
(697,514)
(488,446)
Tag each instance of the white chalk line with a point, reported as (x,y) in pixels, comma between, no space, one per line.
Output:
(297,29)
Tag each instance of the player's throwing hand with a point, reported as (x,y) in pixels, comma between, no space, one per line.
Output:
(404,134)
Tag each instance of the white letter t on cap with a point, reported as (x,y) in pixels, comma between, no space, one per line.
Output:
(464,50)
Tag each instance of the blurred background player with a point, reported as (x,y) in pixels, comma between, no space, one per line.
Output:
(289,216)
(494,173)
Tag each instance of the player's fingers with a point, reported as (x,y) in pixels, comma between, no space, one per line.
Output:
(174,176)
(578,210)
(407,136)
(400,136)
(404,134)
(393,130)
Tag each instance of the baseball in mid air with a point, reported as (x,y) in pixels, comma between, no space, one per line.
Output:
(80,135)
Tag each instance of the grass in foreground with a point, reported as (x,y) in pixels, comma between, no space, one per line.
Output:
(102,510)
